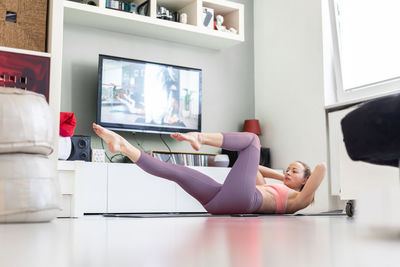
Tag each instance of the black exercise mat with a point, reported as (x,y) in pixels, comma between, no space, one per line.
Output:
(159,215)
(325,213)
(204,214)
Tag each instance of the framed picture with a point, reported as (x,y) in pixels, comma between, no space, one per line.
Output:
(25,71)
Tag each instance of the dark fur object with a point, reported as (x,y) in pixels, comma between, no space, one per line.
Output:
(372,131)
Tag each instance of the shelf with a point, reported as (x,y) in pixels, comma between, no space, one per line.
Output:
(124,22)
(24,51)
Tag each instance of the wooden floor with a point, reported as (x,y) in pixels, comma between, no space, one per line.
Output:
(215,241)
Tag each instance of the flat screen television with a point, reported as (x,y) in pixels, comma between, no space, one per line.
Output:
(142,96)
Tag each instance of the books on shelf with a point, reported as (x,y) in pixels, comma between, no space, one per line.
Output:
(187,159)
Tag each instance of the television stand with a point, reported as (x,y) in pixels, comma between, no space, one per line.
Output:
(91,187)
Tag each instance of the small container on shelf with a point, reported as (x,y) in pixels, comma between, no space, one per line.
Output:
(183,11)
(122,5)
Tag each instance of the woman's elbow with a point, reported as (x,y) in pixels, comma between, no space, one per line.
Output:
(321,166)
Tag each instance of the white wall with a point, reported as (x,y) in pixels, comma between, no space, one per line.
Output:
(289,85)
(228,77)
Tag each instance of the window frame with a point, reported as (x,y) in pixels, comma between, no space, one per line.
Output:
(367,91)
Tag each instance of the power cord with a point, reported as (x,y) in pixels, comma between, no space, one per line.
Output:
(169,149)
(105,153)
(137,142)
(113,156)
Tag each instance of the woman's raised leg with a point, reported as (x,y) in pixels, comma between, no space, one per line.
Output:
(197,184)
(239,193)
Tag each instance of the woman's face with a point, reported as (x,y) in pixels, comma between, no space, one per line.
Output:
(294,176)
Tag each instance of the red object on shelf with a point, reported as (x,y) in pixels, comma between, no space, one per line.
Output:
(25,72)
(252,126)
(67,124)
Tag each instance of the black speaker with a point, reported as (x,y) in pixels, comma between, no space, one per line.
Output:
(232,155)
(265,159)
(80,148)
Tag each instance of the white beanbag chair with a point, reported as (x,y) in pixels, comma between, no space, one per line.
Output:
(29,188)
(25,122)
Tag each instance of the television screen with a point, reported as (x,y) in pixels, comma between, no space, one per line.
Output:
(142,96)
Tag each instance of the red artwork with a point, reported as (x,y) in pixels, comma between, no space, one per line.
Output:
(25,71)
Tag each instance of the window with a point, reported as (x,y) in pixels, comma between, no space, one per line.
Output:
(367,47)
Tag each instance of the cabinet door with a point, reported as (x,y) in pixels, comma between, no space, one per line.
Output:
(351,178)
(130,189)
(91,187)
(185,202)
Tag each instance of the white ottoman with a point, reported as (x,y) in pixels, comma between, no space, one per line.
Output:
(25,122)
(29,189)
(29,186)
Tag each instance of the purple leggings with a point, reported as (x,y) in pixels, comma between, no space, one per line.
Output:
(238,194)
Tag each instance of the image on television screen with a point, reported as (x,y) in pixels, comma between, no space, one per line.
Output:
(146,96)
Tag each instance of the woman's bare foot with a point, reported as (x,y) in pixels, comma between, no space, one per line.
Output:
(114,141)
(194,138)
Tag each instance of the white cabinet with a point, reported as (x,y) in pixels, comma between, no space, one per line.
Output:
(130,189)
(185,202)
(89,187)
(83,187)
(351,178)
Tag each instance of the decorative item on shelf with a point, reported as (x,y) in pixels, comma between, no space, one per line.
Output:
(92,3)
(252,126)
(132,8)
(67,124)
(208,17)
(166,14)
(218,23)
(233,30)
(64,147)
(143,8)
(24,24)
(183,18)
(122,5)
(67,128)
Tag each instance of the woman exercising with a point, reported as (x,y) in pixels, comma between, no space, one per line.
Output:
(244,190)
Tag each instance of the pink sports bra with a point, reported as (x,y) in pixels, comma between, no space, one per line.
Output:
(281,194)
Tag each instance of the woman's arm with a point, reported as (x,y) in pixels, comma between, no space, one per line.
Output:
(270,173)
(305,197)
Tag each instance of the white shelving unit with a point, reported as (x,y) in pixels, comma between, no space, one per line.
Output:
(192,33)
(24,51)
